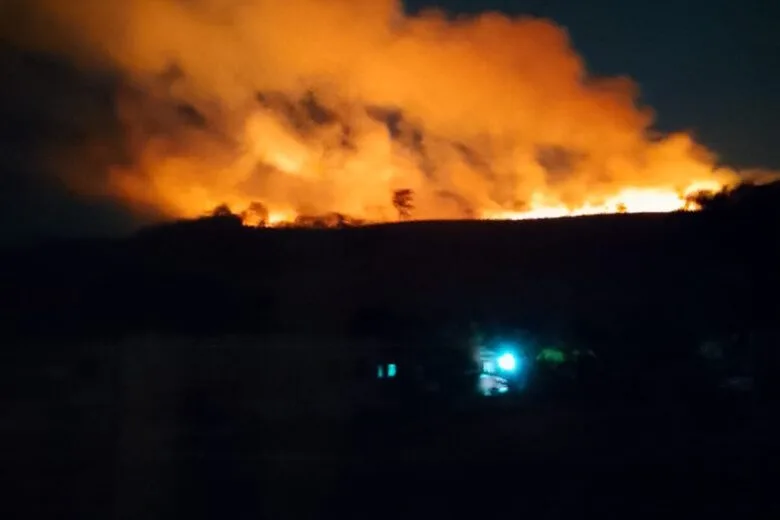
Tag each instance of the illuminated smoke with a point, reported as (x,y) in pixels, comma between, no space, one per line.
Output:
(281,108)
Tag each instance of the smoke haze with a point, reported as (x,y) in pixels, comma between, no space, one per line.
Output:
(316,106)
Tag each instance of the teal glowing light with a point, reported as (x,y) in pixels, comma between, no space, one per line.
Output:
(386,371)
(507,362)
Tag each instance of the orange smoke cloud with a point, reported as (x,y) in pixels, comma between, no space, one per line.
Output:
(319,106)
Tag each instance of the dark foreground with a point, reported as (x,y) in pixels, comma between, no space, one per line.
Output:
(714,459)
(117,437)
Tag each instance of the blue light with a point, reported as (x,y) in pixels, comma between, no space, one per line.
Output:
(391,370)
(507,362)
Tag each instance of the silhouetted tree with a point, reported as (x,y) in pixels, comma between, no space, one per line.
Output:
(255,215)
(222,211)
(709,201)
(403,203)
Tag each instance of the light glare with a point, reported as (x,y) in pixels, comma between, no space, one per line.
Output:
(507,362)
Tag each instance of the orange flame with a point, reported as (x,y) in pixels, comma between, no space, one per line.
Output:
(311,107)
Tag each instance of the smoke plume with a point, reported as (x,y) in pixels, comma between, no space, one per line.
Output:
(317,106)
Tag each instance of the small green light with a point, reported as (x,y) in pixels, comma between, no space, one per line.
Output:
(552,355)
(391,370)
(380,372)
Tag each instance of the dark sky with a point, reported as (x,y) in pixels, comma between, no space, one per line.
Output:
(43,100)
(712,67)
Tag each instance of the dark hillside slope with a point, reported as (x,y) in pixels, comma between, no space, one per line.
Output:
(673,275)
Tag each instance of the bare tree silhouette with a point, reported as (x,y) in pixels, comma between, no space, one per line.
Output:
(403,201)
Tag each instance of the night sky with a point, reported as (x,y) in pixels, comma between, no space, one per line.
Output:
(712,68)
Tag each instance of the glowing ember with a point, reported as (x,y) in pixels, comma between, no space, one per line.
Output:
(315,107)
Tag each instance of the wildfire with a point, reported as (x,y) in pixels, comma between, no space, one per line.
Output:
(628,201)
(286,110)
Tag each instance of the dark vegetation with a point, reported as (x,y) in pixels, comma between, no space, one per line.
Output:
(205,369)
(625,285)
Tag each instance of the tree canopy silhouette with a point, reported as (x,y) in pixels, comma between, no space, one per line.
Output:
(403,201)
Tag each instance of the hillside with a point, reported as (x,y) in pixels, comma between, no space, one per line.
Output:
(207,376)
(670,275)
